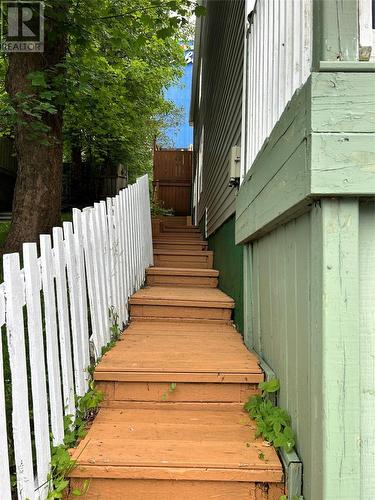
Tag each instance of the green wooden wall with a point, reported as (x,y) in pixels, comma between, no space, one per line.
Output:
(306,213)
(280,330)
(228,259)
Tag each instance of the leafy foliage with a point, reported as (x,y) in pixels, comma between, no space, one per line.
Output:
(273,423)
(75,429)
(120,57)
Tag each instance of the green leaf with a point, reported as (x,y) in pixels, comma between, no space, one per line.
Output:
(270,386)
(200,10)
(37,79)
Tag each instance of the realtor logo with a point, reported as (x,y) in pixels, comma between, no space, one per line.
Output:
(22,26)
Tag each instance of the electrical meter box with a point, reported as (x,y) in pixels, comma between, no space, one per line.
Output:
(234,166)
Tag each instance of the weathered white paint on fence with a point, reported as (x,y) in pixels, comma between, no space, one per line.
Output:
(15,301)
(4,460)
(277,60)
(33,286)
(63,322)
(98,260)
(72,274)
(52,342)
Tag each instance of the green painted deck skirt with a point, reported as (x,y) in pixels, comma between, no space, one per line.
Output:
(228,259)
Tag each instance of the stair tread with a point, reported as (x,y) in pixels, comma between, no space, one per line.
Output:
(162,251)
(180,271)
(165,439)
(192,355)
(182,296)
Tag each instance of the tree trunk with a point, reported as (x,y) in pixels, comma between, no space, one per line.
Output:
(37,196)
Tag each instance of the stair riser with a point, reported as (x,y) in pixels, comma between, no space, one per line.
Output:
(187,262)
(185,392)
(180,246)
(178,229)
(140,489)
(155,311)
(180,236)
(154,280)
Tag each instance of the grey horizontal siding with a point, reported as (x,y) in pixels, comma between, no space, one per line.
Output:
(221,105)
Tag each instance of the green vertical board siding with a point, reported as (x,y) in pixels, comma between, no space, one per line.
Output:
(367,346)
(306,326)
(228,259)
(281,323)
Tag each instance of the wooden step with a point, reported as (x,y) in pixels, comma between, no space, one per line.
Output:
(175,221)
(188,259)
(178,454)
(164,276)
(208,363)
(179,236)
(180,229)
(169,244)
(181,302)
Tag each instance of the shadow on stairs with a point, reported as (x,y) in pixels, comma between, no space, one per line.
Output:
(171,425)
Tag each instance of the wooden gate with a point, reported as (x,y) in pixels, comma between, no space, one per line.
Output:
(173,180)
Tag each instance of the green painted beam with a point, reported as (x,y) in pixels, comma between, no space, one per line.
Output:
(323,144)
(347,66)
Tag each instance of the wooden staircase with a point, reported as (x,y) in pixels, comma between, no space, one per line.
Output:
(171,425)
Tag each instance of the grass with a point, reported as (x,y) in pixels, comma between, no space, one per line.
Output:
(4,228)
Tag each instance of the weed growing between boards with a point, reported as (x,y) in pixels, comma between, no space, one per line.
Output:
(171,388)
(75,428)
(272,423)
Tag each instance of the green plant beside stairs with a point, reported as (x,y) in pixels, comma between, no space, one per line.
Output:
(272,423)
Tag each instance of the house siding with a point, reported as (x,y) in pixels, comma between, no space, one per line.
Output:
(280,330)
(228,259)
(220,106)
(306,211)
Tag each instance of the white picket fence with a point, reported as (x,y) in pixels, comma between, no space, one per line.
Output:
(89,268)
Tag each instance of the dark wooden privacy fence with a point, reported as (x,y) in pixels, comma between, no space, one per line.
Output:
(8,173)
(173,180)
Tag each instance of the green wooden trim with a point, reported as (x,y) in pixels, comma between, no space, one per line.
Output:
(367,344)
(343,102)
(293,474)
(343,164)
(340,348)
(353,67)
(335,361)
(315,387)
(335,31)
(248,296)
(323,144)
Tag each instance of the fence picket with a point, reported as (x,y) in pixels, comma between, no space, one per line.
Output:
(100,247)
(14,293)
(82,293)
(37,364)
(72,274)
(98,276)
(4,460)
(63,321)
(52,343)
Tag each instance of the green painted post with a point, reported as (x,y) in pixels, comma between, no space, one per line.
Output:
(335,31)
(335,352)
